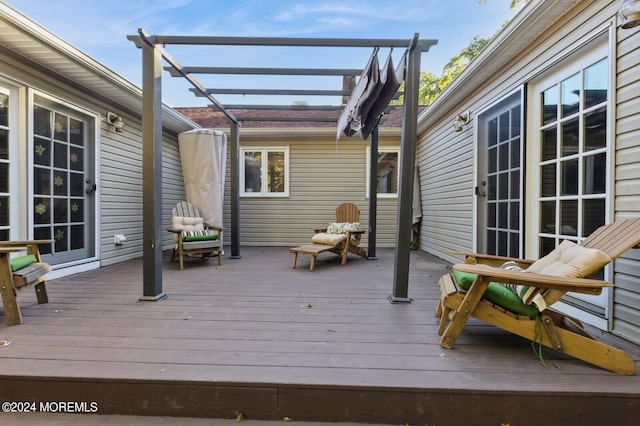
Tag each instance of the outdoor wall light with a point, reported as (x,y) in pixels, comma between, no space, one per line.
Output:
(461,120)
(115,121)
(629,14)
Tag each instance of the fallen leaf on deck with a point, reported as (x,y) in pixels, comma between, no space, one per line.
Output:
(187,317)
(239,417)
(287,419)
(58,310)
(306,305)
(4,343)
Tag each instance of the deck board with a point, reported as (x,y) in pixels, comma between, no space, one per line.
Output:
(286,338)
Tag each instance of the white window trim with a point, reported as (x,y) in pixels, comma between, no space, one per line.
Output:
(368,164)
(265,151)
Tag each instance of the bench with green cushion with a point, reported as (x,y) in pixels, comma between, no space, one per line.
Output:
(20,262)
(20,271)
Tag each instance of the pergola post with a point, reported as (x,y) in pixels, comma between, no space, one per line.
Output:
(407,164)
(235,190)
(373,194)
(152,173)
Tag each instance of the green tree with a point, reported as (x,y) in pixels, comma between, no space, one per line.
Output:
(432,85)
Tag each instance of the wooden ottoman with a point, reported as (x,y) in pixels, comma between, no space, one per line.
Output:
(311,249)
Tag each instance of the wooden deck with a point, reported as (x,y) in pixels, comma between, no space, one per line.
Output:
(256,337)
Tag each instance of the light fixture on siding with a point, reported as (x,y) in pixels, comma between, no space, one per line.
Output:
(461,120)
(629,13)
(115,121)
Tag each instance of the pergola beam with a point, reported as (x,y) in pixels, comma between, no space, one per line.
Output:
(423,45)
(295,92)
(295,107)
(266,71)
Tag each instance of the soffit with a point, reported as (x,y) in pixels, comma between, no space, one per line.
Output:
(30,41)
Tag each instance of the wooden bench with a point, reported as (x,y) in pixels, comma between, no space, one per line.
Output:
(10,281)
(312,249)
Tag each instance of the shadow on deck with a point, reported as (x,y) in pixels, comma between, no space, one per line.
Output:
(258,338)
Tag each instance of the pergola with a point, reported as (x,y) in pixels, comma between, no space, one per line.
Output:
(153,55)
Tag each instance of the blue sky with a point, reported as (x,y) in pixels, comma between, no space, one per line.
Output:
(99,28)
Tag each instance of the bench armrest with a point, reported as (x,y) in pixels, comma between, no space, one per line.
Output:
(489,259)
(549,282)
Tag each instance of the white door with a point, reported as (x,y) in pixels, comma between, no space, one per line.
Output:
(569,152)
(499,179)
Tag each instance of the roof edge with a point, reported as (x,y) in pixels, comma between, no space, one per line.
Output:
(525,27)
(35,30)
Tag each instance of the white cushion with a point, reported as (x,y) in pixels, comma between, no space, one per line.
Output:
(328,239)
(567,260)
(184,223)
(570,260)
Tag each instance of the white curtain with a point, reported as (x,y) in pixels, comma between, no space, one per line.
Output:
(203,154)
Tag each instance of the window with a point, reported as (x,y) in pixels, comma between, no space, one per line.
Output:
(573,158)
(264,172)
(388,171)
(4,164)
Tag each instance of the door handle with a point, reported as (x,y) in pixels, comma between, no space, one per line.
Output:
(91,189)
(479,192)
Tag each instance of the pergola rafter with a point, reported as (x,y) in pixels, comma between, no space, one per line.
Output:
(154,51)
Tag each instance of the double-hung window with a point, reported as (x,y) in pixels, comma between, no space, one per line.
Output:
(264,172)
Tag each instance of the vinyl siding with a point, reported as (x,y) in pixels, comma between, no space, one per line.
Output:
(119,206)
(626,320)
(323,175)
(446,158)
(121,190)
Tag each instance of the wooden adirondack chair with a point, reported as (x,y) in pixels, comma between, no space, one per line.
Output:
(346,213)
(21,271)
(341,237)
(543,326)
(192,236)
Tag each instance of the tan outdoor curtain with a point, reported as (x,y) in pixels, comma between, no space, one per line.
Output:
(203,154)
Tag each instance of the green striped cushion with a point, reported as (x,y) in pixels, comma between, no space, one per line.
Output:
(198,236)
(497,293)
(20,262)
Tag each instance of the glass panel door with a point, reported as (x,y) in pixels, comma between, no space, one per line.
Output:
(5,128)
(499,179)
(63,186)
(573,161)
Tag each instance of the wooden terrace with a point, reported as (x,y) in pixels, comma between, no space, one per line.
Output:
(258,338)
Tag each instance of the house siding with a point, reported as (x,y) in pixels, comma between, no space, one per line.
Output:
(446,158)
(119,165)
(121,190)
(626,321)
(323,174)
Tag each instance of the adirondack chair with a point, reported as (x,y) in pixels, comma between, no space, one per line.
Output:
(344,234)
(341,237)
(525,312)
(20,271)
(192,236)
